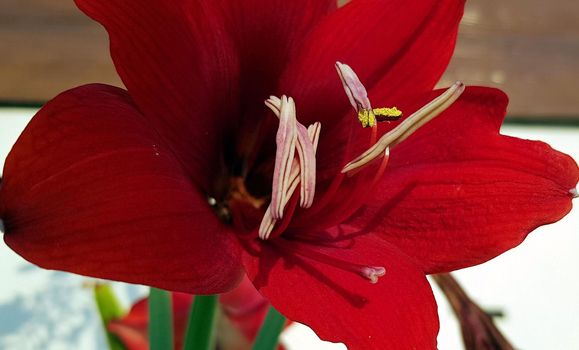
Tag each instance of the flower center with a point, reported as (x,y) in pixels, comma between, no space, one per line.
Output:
(295,165)
(295,162)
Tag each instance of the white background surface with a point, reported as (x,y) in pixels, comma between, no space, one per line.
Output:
(536,284)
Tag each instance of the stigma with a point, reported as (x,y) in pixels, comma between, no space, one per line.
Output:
(373,273)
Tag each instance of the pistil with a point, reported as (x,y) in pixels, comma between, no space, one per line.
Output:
(372,273)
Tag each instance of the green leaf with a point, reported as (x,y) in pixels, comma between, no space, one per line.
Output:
(268,336)
(109,309)
(200,334)
(160,320)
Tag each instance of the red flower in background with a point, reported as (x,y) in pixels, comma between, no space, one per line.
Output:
(166,184)
(244,310)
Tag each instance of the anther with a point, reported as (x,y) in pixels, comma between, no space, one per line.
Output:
(383,114)
(284,157)
(358,97)
(408,126)
(301,171)
(355,90)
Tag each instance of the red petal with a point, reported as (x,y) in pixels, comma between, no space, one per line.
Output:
(401,46)
(266,34)
(399,312)
(245,308)
(181,70)
(131,338)
(457,193)
(90,188)
(133,328)
(397,48)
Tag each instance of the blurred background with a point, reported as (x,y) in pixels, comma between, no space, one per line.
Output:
(528,48)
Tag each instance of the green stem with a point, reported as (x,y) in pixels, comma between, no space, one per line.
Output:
(268,336)
(160,320)
(110,309)
(200,334)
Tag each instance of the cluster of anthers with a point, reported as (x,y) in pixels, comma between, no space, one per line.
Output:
(295,161)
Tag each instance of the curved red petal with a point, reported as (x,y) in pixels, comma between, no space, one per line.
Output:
(399,312)
(180,68)
(457,193)
(245,308)
(397,48)
(134,327)
(266,33)
(131,338)
(401,46)
(90,188)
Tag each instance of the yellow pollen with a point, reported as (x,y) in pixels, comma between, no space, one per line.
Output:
(366,117)
(369,117)
(387,113)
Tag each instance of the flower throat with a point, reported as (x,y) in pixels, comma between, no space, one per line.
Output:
(295,167)
(295,162)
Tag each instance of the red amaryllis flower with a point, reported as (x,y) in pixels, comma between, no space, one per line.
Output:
(244,310)
(168,183)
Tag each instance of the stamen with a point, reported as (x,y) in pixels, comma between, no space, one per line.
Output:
(285,140)
(574,193)
(371,273)
(314,133)
(303,172)
(282,225)
(306,146)
(408,126)
(383,114)
(367,117)
(268,222)
(274,103)
(358,97)
(307,167)
(355,90)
